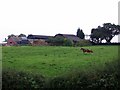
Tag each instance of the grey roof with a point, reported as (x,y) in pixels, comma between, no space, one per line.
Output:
(38,37)
(23,38)
(70,36)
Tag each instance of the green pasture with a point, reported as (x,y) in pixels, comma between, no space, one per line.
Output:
(52,61)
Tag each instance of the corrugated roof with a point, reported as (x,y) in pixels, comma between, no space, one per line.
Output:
(23,38)
(38,37)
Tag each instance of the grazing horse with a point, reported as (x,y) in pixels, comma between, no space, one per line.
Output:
(86,50)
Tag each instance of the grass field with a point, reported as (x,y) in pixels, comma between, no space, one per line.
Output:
(54,61)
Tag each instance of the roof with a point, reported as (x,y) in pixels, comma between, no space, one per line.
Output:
(38,37)
(22,42)
(16,39)
(70,36)
(23,38)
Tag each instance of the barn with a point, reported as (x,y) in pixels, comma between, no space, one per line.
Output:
(71,37)
(38,40)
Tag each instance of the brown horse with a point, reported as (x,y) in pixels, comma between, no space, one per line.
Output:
(86,50)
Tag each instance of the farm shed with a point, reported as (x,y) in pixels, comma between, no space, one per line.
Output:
(71,37)
(38,39)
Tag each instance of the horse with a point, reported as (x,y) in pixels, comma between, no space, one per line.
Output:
(86,50)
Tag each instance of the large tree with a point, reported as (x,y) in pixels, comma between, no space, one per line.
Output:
(22,35)
(12,35)
(110,30)
(80,33)
(106,32)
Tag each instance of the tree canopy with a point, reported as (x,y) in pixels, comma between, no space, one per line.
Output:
(12,35)
(22,35)
(106,32)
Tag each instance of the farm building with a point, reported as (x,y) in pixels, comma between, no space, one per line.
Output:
(38,39)
(15,40)
(71,37)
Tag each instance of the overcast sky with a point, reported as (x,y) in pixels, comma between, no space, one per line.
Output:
(49,17)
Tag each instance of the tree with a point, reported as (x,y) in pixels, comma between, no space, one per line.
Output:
(12,35)
(22,35)
(97,35)
(106,32)
(5,40)
(111,31)
(80,33)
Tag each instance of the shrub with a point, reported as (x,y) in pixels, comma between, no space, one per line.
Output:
(67,42)
(83,43)
(56,41)
(101,80)
(108,79)
(59,41)
(13,80)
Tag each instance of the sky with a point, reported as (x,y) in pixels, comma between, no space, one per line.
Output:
(50,17)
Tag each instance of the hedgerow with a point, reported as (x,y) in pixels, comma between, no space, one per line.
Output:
(108,79)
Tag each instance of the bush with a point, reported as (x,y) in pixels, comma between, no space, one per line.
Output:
(13,80)
(59,41)
(83,43)
(108,79)
(67,42)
